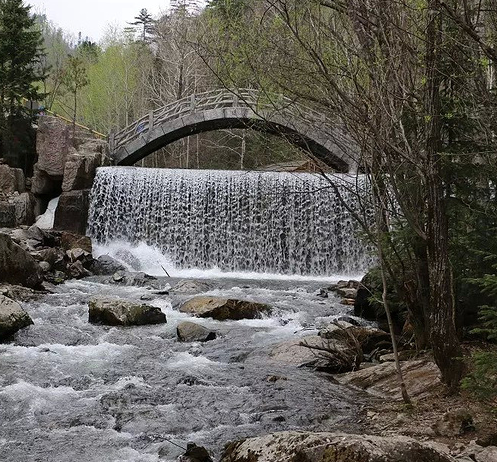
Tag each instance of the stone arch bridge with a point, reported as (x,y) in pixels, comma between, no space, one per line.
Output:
(222,109)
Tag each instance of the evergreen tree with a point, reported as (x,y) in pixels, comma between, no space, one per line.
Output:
(146,22)
(20,56)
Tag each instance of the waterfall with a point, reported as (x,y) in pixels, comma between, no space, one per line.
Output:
(265,222)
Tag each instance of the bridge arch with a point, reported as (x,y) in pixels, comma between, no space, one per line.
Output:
(222,109)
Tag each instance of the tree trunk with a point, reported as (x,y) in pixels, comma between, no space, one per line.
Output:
(445,343)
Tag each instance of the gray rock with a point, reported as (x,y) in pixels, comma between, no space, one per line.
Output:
(52,145)
(19,293)
(7,214)
(191,332)
(16,265)
(43,184)
(333,356)
(116,312)
(24,205)
(422,379)
(195,453)
(45,266)
(11,180)
(70,241)
(12,317)
(224,309)
(369,338)
(191,287)
(72,212)
(454,423)
(293,446)
(105,266)
(76,270)
(80,169)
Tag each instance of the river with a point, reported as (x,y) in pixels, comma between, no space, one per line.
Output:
(73,391)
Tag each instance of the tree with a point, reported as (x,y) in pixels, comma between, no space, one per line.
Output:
(20,72)
(75,78)
(146,22)
(400,80)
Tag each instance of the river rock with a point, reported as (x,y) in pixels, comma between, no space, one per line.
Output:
(54,256)
(187,286)
(16,265)
(12,317)
(115,312)
(422,378)
(296,446)
(70,241)
(191,332)
(106,266)
(223,309)
(195,453)
(369,338)
(331,356)
(18,293)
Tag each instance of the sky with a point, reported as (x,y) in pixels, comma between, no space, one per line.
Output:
(92,17)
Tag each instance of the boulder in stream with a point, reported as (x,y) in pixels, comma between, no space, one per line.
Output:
(116,312)
(16,265)
(333,356)
(223,309)
(297,446)
(191,332)
(105,265)
(12,317)
(187,286)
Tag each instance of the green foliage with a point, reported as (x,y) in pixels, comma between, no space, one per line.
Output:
(482,381)
(20,73)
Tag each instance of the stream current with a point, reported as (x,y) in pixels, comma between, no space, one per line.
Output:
(73,391)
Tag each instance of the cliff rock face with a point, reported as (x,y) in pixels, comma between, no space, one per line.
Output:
(67,164)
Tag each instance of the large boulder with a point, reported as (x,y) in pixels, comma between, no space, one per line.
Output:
(333,356)
(422,379)
(296,446)
(106,266)
(72,212)
(115,312)
(223,309)
(369,338)
(16,265)
(53,142)
(70,241)
(191,332)
(12,317)
(11,180)
(187,286)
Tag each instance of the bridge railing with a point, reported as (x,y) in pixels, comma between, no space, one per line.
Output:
(218,99)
